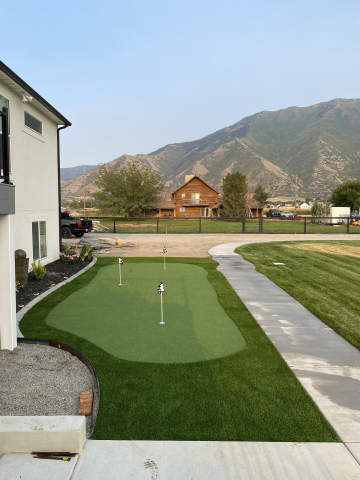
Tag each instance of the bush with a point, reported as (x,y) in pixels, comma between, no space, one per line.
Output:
(38,270)
(86,251)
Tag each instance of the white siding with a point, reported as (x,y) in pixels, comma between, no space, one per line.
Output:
(33,161)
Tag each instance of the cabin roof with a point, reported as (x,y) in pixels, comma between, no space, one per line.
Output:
(190,180)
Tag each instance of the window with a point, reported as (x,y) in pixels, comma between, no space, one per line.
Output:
(183,195)
(33,123)
(4,102)
(39,240)
(181,209)
(195,197)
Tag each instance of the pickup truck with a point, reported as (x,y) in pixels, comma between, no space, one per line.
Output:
(74,225)
(273,212)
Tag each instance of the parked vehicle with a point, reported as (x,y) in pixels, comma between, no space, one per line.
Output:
(273,212)
(286,214)
(354,216)
(74,225)
(295,217)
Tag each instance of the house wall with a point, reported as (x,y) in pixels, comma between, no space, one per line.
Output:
(33,170)
(194,186)
(162,212)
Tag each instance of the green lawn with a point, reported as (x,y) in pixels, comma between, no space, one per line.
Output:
(251,395)
(196,326)
(326,284)
(215,225)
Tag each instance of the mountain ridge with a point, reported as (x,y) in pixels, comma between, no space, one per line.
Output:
(320,144)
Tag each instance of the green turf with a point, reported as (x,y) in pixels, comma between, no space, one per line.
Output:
(326,284)
(215,225)
(124,320)
(249,396)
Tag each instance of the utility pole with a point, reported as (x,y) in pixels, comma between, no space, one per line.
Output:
(84,195)
(295,195)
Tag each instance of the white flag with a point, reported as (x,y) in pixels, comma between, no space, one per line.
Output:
(120,261)
(160,288)
(164,250)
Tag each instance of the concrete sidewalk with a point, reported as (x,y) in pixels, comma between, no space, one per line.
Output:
(154,460)
(326,364)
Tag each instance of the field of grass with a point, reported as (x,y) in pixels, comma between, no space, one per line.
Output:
(149,225)
(251,395)
(326,283)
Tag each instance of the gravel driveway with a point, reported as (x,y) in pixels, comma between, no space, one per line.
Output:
(194,245)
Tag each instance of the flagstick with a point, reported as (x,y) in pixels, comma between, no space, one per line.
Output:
(162,321)
(120,273)
(164,261)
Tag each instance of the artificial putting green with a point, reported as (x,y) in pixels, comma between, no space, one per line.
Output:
(124,320)
(249,396)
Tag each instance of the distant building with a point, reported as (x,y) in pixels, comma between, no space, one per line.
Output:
(194,198)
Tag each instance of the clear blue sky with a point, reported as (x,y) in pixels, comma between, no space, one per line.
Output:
(134,76)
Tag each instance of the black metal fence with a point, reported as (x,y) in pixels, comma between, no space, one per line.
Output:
(307,225)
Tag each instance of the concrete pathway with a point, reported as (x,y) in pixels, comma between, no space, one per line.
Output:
(153,460)
(326,364)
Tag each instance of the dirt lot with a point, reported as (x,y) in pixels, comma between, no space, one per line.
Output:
(193,245)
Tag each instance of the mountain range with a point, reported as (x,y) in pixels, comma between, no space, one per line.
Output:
(319,144)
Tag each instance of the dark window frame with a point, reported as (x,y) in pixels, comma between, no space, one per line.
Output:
(33,117)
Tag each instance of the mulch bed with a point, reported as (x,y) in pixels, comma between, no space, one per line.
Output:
(56,272)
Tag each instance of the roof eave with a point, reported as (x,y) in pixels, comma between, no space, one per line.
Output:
(19,81)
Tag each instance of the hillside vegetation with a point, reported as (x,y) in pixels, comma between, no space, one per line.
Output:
(320,144)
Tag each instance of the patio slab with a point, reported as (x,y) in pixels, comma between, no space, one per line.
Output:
(15,466)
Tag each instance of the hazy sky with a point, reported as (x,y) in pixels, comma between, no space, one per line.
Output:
(134,76)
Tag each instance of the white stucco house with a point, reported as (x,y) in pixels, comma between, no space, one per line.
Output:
(30,172)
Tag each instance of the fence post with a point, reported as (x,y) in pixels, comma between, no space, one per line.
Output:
(114,225)
(305,225)
(199,224)
(260,224)
(348,225)
(157,224)
(243,225)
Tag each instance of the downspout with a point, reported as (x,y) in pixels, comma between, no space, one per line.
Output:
(59,190)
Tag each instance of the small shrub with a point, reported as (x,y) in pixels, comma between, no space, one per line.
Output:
(38,270)
(18,285)
(86,251)
(67,258)
(83,253)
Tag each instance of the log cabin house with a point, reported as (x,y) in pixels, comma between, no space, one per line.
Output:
(195,198)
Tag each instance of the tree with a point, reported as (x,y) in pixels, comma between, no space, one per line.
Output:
(130,190)
(317,208)
(260,194)
(308,200)
(234,195)
(347,194)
